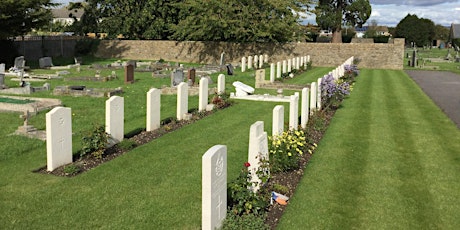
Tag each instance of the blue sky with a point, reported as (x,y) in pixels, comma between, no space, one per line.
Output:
(390,12)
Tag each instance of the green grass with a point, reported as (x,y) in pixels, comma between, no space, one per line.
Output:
(423,54)
(389,160)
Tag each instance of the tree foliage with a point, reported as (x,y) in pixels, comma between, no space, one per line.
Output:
(421,31)
(332,14)
(18,17)
(241,20)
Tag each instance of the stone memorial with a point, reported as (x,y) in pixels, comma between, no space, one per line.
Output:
(304,112)
(284,66)
(203,95)
(294,112)
(318,92)
(45,62)
(177,77)
(258,151)
(222,59)
(19,62)
(278,70)
(114,119)
(261,61)
(272,72)
(242,89)
(278,120)
(214,187)
(129,74)
(221,84)
(289,65)
(313,96)
(153,109)
(250,62)
(191,75)
(256,61)
(230,69)
(58,137)
(243,64)
(182,101)
(265,58)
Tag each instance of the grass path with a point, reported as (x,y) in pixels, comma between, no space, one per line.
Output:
(389,160)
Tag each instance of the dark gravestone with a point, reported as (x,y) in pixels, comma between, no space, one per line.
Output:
(229,69)
(414,58)
(129,74)
(177,76)
(191,75)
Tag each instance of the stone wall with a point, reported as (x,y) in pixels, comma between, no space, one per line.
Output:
(375,55)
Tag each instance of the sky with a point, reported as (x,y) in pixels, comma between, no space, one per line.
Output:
(391,12)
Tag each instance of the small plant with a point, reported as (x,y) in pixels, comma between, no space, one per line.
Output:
(221,100)
(246,221)
(71,169)
(95,142)
(280,188)
(351,71)
(333,91)
(127,144)
(286,150)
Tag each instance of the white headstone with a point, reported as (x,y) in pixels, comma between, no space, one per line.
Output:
(294,112)
(153,109)
(265,58)
(58,137)
(272,72)
(289,65)
(221,84)
(250,62)
(278,70)
(114,118)
(318,92)
(256,61)
(182,100)
(203,95)
(304,114)
(293,63)
(222,58)
(242,89)
(278,120)
(214,187)
(301,61)
(308,58)
(243,64)
(297,62)
(2,68)
(313,97)
(261,61)
(284,66)
(258,150)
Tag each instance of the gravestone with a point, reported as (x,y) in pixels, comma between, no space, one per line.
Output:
(260,78)
(19,62)
(153,109)
(191,75)
(313,96)
(78,60)
(294,63)
(261,61)
(45,62)
(230,69)
(203,95)
(129,74)
(265,58)
(278,120)
(2,75)
(182,101)
(214,187)
(222,59)
(243,64)
(278,70)
(250,62)
(414,59)
(289,65)
(114,119)
(221,84)
(258,151)
(256,61)
(2,68)
(58,137)
(294,112)
(272,72)
(318,92)
(284,66)
(177,77)
(297,65)
(242,89)
(304,112)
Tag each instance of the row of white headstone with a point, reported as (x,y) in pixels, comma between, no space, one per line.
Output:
(59,120)
(253,62)
(214,161)
(286,66)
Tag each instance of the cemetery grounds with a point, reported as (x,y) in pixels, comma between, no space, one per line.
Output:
(388,160)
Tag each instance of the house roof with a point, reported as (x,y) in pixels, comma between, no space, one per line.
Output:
(64,13)
(454,31)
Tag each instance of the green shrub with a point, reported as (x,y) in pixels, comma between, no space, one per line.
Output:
(286,150)
(245,221)
(127,145)
(95,142)
(71,169)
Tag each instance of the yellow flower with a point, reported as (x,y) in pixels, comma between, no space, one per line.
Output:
(315,144)
(309,151)
(289,154)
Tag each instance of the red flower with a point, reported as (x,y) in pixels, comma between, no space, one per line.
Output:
(247,164)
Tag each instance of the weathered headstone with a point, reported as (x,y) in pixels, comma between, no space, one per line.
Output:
(250,62)
(278,120)
(129,74)
(222,58)
(214,187)
(313,96)
(177,77)
(19,62)
(45,62)
(182,101)
(191,75)
(230,69)
(243,64)
(278,70)
(114,119)
(318,92)
(153,109)
(294,112)
(242,89)
(258,151)
(203,95)
(272,72)
(221,84)
(414,59)
(304,113)
(2,68)
(58,137)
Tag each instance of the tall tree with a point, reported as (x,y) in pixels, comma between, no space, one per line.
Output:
(421,31)
(332,14)
(18,17)
(241,20)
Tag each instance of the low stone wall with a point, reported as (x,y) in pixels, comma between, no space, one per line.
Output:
(372,55)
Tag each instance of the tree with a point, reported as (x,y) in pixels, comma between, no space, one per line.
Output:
(241,20)
(417,30)
(332,14)
(18,17)
(441,32)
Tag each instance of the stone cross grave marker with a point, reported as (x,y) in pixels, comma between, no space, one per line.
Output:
(153,109)
(58,137)
(294,112)
(304,113)
(182,101)
(177,77)
(203,94)
(114,119)
(129,74)
(214,187)
(258,151)
(278,120)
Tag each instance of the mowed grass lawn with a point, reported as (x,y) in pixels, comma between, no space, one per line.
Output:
(390,160)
